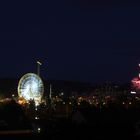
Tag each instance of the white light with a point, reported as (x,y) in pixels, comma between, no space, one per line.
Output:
(36,118)
(133,92)
(39,63)
(39,129)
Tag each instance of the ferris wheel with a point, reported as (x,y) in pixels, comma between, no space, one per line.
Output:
(30,87)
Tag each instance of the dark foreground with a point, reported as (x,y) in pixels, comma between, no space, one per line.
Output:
(99,129)
(85,122)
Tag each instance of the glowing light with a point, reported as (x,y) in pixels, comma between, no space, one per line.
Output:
(36,118)
(137,98)
(39,129)
(80,98)
(38,62)
(13,95)
(136,82)
(133,92)
(20,102)
(104,103)
(62,94)
(30,87)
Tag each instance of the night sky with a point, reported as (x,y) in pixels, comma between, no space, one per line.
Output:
(76,40)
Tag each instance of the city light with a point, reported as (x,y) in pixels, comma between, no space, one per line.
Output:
(13,95)
(62,94)
(36,118)
(38,129)
(133,92)
(104,103)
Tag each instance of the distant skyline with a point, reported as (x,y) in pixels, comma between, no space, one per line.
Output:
(75,40)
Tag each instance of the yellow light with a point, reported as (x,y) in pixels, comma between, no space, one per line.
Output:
(80,98)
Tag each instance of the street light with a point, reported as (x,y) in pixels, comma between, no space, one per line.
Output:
(38,67)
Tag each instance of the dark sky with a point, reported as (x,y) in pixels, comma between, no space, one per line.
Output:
(78,40)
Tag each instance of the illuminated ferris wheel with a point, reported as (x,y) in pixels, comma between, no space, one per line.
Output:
(31,87)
